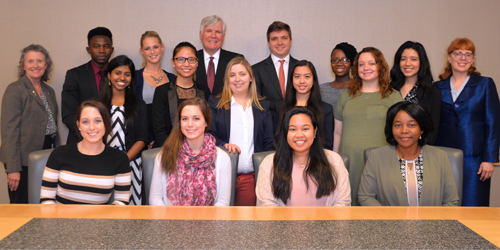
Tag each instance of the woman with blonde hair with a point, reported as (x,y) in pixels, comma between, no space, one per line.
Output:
(190,170)
(242,122)
(361,110)
(470,120)
(151,75)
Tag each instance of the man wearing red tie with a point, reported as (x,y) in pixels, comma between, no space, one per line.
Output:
(271,74)
(212,59)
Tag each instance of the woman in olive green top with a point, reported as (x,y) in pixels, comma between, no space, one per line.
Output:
(408,172)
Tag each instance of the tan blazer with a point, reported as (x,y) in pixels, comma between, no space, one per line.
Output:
(24,121)
(382,183)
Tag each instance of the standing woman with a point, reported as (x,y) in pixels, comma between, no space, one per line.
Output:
(151,75)
(190,170)
(413,78)
(242,122)
(361,110)
(29,119)
(341,58)
(169,96)
(305,91)
(301,172)
(129,119)
(470,120)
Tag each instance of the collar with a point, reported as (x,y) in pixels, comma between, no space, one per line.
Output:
(95,68)
(216,56)
(233,102)
(276,59)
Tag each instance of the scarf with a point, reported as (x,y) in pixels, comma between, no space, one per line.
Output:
(197,187)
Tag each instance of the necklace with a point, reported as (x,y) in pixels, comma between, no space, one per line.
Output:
(301,164)
(156,80)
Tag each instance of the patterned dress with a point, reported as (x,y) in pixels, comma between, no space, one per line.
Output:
(117,140)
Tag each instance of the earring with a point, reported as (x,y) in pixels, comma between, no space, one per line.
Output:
(109,83)
(420,137)
(128,86)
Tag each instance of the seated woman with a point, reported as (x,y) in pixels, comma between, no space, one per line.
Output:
(242,122)
(87,172)
(129,118)
(190,170)
(408,172)
(301,172)
(169,96)
(305,91)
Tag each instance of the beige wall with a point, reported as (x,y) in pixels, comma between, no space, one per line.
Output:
(62,26)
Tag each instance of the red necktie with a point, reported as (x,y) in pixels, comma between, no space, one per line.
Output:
(211,74)
(282,78)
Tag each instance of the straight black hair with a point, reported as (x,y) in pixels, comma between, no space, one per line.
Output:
(419,113)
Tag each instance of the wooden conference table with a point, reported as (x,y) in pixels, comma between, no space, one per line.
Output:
(84,226)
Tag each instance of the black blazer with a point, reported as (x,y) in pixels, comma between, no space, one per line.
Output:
(79,86)
(432,102)
(164,108)
(138,130)
(328,122)
(267,82)
(221,125)
(201,72)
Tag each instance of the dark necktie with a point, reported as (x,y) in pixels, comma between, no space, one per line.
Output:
(102,83)
(211,74)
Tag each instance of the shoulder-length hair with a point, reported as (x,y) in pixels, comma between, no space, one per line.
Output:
(319,169)
(417,112)
(424,74)
(314,101)
(227,94)
(170,149)
(37,48)
(460,43)
(131,99)
(147,34)
(103,111)
(383,73)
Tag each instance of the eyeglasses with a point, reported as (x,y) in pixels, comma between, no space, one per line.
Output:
(343,60)
(190,60)
(458,55)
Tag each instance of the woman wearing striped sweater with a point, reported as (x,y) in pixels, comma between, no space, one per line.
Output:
(89,171)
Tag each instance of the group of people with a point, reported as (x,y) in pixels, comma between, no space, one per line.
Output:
(218,100)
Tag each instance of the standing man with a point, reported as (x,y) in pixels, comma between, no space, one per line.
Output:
(86,81)
(212,59)
(271,74)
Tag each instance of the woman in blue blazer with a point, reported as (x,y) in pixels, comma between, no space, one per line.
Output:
(150,75)
(241,122)
(470,120)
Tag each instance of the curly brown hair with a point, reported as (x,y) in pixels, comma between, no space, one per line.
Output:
(384,80)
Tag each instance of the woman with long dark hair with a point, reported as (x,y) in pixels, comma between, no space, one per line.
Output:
(470,120)
(129,118)
(305,91)
(411,76)
(302,172)
(190,170)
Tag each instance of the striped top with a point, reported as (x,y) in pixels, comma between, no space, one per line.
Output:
(71,177)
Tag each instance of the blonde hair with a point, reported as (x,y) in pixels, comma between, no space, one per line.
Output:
(147,34)
(227,94)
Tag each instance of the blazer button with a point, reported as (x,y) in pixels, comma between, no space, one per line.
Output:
(456,125)
(456,105)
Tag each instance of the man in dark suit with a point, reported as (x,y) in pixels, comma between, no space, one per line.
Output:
(271,74)
(85,82)
(212,59)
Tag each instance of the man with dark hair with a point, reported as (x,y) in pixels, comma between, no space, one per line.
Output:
(212,59)
(85,82)
(271,74)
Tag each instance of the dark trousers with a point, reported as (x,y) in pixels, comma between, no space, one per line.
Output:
(245,190)
(21,194)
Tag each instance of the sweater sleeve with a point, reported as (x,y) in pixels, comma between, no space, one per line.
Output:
(342,194)
(50,178)
(223,170)
(263,188)
(122,181)
(367,193)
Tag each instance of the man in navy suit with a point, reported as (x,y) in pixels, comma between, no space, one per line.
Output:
(271,74)
(85,82)
(212,60)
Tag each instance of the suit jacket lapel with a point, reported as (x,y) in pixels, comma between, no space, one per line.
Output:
(221,71)
(469,89)
(256,121)
(445,91)
(273,76)
(32,91)
(90,78)
(227,121)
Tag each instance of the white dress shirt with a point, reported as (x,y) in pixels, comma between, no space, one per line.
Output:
(277,65)
(241,134)
(216,57)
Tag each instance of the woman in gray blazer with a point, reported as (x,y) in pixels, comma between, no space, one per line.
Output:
(407,172)
(29,119)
